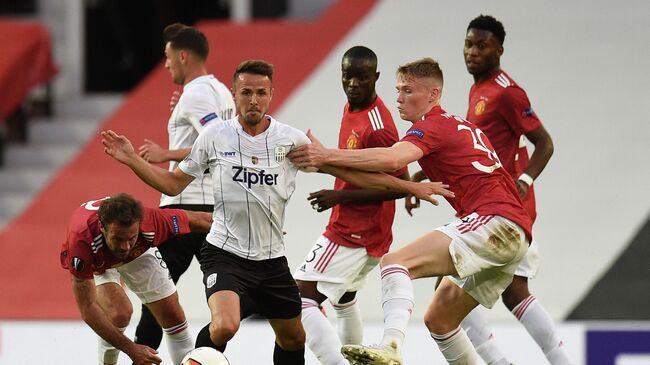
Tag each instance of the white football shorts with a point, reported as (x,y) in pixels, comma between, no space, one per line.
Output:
(530,263)
(336,269)
(147,276)
(486,251)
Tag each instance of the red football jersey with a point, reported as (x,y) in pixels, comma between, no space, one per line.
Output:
(459,154)
(85,253)
(364,225)
(501,109)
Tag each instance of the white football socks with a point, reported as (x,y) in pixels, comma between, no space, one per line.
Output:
(322,339)
(540,325)
(456,347)
(479,332)
(179,341)
(397,302)
(349,324)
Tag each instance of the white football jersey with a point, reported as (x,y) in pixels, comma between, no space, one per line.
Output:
(252,180)
(204,100)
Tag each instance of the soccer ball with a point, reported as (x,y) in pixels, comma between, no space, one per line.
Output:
(204,356)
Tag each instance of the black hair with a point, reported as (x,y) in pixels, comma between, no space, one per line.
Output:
(361,53)
(489,23)
(181,36)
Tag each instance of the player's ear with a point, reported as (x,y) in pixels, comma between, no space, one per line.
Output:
(500,51)
(377,75)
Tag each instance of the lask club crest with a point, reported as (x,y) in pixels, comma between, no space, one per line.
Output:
(280,152)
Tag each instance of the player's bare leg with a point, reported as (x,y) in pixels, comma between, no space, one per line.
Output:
(118,309)
(450,304)
(169,314)
(225,316)
(289,341)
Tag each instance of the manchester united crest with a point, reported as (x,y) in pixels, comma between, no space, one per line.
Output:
(479,108)
(353,140)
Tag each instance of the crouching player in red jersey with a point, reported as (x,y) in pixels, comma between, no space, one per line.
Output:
(112,240)
(477,253)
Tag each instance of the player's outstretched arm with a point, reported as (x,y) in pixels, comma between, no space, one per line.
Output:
(199,221)
(367,159)
(325,199)
(93,315)
(152,152)
(121,149)
(376,180)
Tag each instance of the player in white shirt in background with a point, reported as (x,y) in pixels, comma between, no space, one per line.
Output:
(204,100)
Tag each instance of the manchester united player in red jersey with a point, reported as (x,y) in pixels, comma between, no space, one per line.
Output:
(359,230)
(477,253)
(113,240)
(501,109)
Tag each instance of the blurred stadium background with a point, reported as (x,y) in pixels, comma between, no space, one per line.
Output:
(71,68)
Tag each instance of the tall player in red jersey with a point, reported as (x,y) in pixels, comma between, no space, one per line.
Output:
(112,240)
(477,253)
(501,109)
(360,226)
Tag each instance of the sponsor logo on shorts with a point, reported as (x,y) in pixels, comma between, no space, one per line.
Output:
(212,279)
(78,264)
(227,153)
(415,132)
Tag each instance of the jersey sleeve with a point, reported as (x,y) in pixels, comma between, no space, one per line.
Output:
(199,109)
(77,256)
(300,138)
(167,223)
(196,162)
(423,136)
(517,112)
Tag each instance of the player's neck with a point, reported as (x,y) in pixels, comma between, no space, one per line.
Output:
(487,75)
(362,106)
(193,74)
(254,130)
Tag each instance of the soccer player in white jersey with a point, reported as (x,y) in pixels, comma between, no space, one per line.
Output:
(252,183)
(204,100)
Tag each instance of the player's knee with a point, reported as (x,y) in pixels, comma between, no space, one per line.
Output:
(438,323)
(389,259)
(122,317)
(293,341)
(222,330)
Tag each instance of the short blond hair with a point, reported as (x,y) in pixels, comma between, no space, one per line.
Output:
(422,68)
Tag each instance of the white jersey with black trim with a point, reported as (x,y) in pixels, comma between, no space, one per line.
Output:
(252,181)
(204,100)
